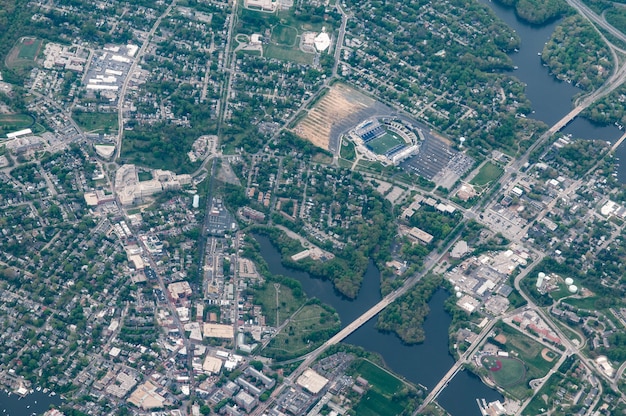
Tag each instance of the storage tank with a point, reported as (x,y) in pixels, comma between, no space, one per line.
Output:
(540,278)
(459,294)
(196,201)
(569,281)
(573,288)
(457,289)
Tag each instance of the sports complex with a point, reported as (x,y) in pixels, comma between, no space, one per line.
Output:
(388,140)
(504,371)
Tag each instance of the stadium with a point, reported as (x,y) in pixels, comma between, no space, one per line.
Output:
(387,140)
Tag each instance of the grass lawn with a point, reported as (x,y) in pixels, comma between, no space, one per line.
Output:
(287,302)
(347,149)
(375,404)
(144,176)
(288,54)
(529,352)
(96,122)
(584,303)
(373,166)
(384,143)
(249,52)
(538,403)
(487,174)
(380,398)
(14,122)
(308,328)
(284,35)
(381,379)
(504,371)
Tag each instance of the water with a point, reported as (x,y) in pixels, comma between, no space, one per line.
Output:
(551,99)
(36,402)
(424,363)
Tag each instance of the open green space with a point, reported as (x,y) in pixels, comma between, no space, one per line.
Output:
(385,392)
(28,48)
(347,149)
(13,122)
(616,16)
(285,27)
(144,176)
(375,404)
(289,300)
(488,173)
(588,303)
(308,328)
(384,143)
(284,35)
(96,122)
(504,371)
(538,404)
(381,379)
(529,352)
(288,54)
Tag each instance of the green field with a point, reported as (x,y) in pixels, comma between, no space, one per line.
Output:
(512,370)
(284,35)
(308,328)
(529,351)
(28,48)
(96,122)
(381,398)
(487,174)
(14,122)
(375,404)
(383,380)
(384,143)
(287,302)
(548,390)
(588,303)
(287,54)
(347,149)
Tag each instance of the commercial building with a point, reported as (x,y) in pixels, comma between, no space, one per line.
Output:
(218,331)
(420,235)
(212,364)
(147,397)
(264,5)
(312,381)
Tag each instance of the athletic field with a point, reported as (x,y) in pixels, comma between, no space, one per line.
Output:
(384,143)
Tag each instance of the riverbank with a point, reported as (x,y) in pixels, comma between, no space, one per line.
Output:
(421,364)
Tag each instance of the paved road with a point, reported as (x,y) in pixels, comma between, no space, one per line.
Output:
(429,263)
(466,357)
(122,96)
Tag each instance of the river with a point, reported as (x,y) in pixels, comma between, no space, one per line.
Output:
(36,402)
(551,99)
(424,363)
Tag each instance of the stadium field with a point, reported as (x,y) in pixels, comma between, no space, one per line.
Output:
(384,143)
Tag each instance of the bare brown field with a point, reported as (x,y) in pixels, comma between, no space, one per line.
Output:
(340,109)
